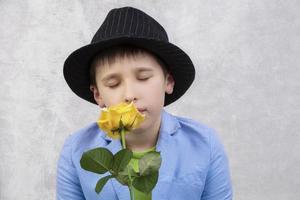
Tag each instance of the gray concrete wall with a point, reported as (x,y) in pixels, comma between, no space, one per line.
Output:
(247,86)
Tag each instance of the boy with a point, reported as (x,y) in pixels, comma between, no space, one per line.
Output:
(131,60)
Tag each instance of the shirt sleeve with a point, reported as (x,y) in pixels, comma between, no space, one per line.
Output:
(218,181)
(67,182)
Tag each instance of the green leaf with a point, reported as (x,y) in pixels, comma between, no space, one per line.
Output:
(100,184)
(131,171)
(98,160)
(146,183)
(149,163)
(123,178)
(121,160)
(133,174)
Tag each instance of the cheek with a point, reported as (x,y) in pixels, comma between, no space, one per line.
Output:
(154,91)
(110,97)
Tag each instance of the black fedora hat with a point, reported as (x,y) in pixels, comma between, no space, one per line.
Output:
(128,25)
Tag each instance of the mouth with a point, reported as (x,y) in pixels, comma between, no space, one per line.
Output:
(142,110)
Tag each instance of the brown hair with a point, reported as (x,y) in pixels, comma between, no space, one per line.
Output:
(109,56)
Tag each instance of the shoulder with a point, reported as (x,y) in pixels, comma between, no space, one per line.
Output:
(197,132)
(195,128)
(202,134)
(187,122)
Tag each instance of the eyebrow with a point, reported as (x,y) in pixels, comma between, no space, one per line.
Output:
(141,69)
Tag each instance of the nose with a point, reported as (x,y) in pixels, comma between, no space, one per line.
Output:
(129,99)
(129,94)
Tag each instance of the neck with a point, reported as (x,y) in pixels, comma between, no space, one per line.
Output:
(141,139)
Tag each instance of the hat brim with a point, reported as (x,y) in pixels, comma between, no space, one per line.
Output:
(76,66)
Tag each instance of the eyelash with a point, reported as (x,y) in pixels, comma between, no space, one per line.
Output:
(141,79)
(113,86)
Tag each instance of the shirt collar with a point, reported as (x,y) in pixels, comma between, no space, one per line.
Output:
(169,123)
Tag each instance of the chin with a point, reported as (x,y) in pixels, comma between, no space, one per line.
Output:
(142,127)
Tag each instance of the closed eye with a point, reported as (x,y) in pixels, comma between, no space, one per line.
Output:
(113,86)
(144,78)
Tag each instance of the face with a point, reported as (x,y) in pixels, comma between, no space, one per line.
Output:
(139,79)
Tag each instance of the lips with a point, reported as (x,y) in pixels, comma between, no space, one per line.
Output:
(141,110)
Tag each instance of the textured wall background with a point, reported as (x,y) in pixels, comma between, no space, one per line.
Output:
(247,86)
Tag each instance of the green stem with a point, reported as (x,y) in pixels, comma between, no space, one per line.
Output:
(123,138)
(130,185)
(130,180)
(131,193)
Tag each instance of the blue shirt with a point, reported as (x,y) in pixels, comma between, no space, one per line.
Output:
(194,164)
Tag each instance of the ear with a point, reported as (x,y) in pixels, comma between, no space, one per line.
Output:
(97,96)
(169,84)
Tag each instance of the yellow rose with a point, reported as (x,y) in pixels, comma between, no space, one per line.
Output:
(128,114)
